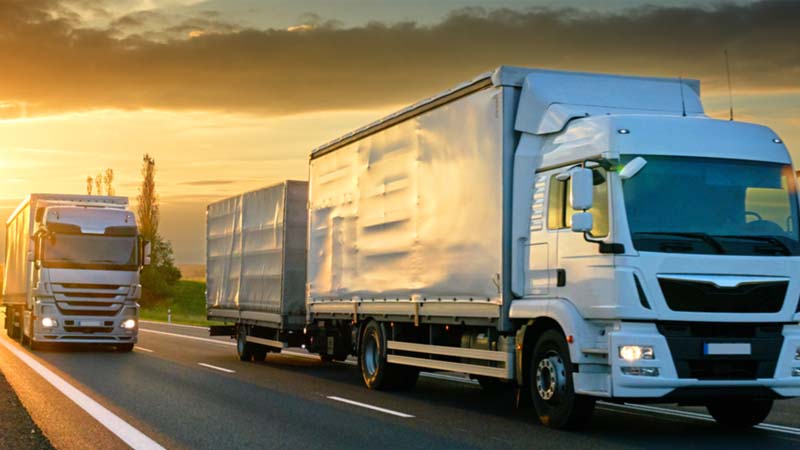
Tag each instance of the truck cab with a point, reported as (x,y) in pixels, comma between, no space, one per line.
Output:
(666,247)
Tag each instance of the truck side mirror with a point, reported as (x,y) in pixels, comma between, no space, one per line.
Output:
(146,253)
(582,222)
(582,192)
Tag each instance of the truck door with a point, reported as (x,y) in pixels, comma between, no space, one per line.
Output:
(541,279)
(586,276)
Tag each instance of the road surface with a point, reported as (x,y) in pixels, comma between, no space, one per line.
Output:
(182,389)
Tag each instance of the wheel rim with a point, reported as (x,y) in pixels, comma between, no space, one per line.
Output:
(551,379)
(371,355)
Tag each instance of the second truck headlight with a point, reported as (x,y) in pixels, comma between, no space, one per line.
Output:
(635,352)
(129,324)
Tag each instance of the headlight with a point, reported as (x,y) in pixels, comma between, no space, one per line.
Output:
(49,323)
(635,352)
(129,324)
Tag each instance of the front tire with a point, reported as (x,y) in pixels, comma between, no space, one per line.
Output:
(552,391)
(740,413)
(125,348)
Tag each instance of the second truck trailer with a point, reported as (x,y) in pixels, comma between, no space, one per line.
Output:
(580,236)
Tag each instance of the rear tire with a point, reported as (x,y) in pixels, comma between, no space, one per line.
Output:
(243,348)
(740,413)
(550,379)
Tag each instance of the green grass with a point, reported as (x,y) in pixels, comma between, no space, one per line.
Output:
(188,305)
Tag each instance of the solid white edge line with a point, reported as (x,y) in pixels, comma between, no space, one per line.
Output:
(367,406)
(156,322)
(142,349)
(221,369)
(196,338)
(123,430)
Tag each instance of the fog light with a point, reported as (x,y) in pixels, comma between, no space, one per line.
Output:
(635,352)
(129,324)
(49,323)
(641,371)
(796,372)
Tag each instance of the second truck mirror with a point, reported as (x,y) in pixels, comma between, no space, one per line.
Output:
(146,253)
(582,189)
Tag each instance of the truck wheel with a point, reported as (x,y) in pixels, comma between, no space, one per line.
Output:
(260,353)
(740,413)
(243,348)
(552,391)
(377,373)
(124,348)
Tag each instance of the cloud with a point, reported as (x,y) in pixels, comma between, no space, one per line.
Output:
(55,63)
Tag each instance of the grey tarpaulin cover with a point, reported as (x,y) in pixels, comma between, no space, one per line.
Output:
(256,250)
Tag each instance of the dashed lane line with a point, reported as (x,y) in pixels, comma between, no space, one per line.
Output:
(372,407)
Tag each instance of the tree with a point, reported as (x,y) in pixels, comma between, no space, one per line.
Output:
(147,209)
(89,183)
(109,180)
(98,183)
(161,275)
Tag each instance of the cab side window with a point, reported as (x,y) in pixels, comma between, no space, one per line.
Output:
(559,212)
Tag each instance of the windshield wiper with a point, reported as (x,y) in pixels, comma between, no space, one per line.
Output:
(705,237)
(769,239)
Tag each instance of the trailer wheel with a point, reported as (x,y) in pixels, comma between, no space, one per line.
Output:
(552,391)
(740,413)
(260,353)
(243,348)
(377,373)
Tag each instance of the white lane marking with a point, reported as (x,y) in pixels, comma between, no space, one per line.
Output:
(221,369)
(196,338)
(156,322)
(126,432)
(698,416)
(142,349)
(374,408)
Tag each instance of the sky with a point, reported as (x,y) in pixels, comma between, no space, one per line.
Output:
(231,95)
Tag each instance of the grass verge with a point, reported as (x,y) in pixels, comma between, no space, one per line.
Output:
(187,305)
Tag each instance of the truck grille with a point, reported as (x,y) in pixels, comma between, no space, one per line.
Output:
(686,340)
(83,299)
(692,296)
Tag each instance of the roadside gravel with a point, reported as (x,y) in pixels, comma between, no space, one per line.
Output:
(17,430)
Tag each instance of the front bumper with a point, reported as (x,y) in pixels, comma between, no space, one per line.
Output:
(87,329)
(669,386)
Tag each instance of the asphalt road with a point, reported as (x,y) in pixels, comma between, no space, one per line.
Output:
(185,390)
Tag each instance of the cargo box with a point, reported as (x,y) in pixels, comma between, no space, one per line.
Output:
(256,256)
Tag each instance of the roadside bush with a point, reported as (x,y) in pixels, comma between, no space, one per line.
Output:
(159,278)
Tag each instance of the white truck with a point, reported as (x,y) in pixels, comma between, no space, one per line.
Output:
(72,266)
(578,236)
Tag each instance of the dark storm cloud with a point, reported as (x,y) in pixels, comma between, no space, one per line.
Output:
(53,63)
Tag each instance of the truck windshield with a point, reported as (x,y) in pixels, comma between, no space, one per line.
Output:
(712,206)
(83,251)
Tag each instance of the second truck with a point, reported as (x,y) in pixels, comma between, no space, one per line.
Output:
(72,266)
(578,236)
